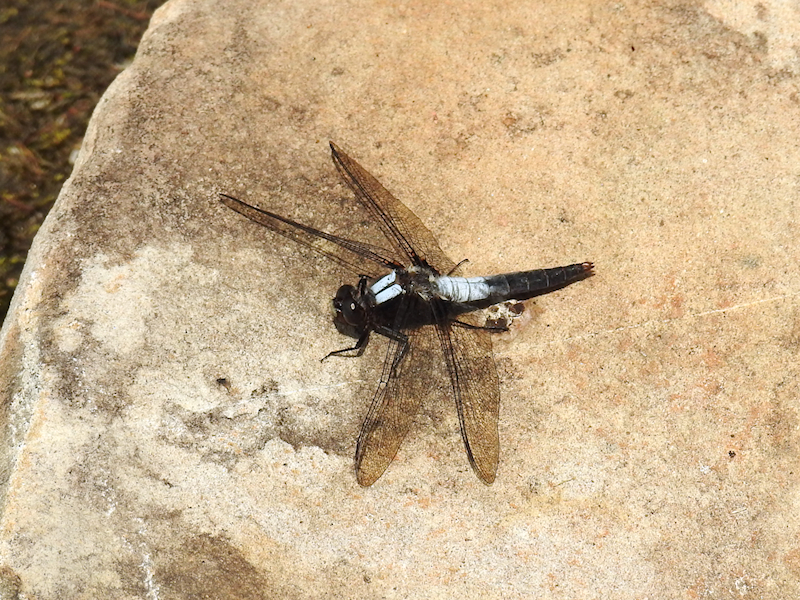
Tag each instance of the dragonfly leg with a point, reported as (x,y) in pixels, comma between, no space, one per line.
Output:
(400,338)
(457,267)
(361,344)
(490,328)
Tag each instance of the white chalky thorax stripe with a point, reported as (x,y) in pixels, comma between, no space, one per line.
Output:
(385,288)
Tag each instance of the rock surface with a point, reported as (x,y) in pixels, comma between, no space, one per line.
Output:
(169,431)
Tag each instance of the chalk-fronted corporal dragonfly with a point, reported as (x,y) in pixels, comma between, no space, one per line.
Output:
(410,292)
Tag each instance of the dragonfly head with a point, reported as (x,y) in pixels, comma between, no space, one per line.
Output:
(351,317)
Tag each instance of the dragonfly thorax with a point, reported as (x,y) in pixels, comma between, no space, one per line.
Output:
(416,280)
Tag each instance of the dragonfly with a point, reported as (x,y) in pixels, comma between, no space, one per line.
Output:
(411,293)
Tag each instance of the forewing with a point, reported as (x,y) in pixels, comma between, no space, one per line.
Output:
(402,227)
(409,378)
(360,258)
(470,364)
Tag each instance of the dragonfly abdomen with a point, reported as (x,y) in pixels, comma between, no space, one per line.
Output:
(517,286)
(526,284)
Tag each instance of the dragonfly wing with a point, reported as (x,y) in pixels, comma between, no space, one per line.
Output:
(402,227)
(412,373)
(357,257)
(473,376)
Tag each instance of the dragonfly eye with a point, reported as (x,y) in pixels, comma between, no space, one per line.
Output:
(345,304)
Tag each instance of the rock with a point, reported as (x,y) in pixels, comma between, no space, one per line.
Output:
(170,431)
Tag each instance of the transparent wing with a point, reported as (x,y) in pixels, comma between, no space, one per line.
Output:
(470,364)
(360,258)
(412,373)
(408,236)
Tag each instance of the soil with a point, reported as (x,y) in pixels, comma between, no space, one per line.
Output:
(56,60)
